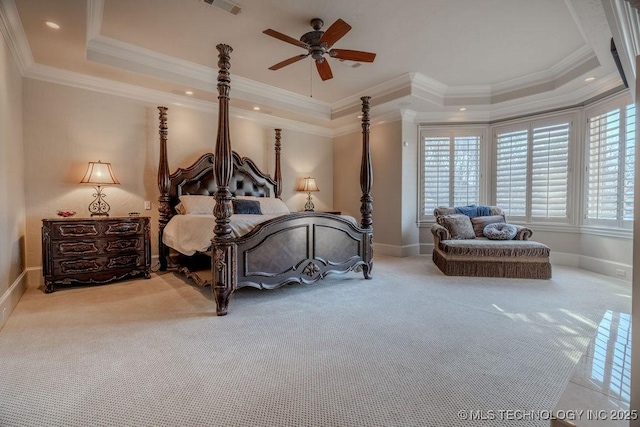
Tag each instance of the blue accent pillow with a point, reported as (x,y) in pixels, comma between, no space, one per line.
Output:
(250,207)
(473,211)
(500,231)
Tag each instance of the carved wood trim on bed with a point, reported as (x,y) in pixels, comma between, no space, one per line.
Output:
(300,247)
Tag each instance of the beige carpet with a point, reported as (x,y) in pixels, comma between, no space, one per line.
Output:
(411,347)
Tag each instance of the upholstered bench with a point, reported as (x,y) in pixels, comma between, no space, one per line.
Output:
(473,255)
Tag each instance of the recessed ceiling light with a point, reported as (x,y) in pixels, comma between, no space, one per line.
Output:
(256,108)
(188,92)
(52,25)
(589,79)
(360,116)
(463,109)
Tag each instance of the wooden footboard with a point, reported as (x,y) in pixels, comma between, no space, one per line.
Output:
(301,248)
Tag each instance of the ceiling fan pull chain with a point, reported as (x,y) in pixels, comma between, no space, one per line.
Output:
(311,78)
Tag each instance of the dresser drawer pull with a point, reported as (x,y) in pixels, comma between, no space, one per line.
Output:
(79,266)
(78,248)
(123,261)
(121,245)
(78,230)
(122,228)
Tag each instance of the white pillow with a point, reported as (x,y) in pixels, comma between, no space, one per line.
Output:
(269,205)
(198,205)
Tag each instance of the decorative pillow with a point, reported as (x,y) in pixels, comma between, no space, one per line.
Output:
(500,231)
(198,205)
(459,226)
(268,205)
(180,209)
(480,222)
(250,207)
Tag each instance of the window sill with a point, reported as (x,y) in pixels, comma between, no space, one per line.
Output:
(619,233)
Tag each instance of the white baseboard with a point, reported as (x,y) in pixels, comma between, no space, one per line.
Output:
(396,251)
(608,268)
(10,299)
(426,248)
(564,258)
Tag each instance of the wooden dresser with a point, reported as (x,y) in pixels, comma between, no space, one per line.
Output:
(94,250)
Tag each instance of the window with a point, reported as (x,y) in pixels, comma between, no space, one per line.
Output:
(532,170)
(610,167)
(451,168)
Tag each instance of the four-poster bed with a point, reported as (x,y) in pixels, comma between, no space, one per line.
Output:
(299,247)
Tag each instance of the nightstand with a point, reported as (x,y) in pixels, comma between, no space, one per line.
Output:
(94,250)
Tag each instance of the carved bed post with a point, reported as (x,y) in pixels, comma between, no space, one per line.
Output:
(366,169)
(164,208)
(366,182)
(278,172)
(223,267)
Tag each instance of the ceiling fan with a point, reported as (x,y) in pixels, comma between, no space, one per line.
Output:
(318,43)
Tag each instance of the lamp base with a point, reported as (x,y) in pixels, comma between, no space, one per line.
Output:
(99,207)
(308,207)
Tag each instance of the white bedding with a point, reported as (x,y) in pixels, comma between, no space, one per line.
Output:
(192,233)
(189,233)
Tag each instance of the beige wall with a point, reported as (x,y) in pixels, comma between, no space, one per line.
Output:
(386,155)
(67,127)
(12,192)
(409,147)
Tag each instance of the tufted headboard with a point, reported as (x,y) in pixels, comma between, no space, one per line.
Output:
(247,180)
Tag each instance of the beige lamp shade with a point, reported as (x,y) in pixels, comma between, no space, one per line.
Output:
(308,184)
(100,174)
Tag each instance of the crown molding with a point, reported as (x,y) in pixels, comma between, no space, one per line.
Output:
(376,120)
(156,97)
(625,27)
(11,29)
(523,106)
(350,104)
(95,11)
(113,52)
(386,96)
(569,63)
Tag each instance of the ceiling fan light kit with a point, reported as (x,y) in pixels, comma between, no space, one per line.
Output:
(318,44)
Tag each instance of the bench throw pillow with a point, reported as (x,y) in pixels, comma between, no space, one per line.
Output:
(480,222)
(459,226)
(500,231)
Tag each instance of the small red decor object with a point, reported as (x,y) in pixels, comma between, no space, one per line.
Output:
(66,214)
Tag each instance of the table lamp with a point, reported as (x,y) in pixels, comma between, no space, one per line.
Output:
(99,174)
(308,184)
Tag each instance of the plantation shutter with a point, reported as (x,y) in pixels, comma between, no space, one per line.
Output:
(629,163)
(437,171)
(466,170)
(511,172)
(603,164)
(550,171)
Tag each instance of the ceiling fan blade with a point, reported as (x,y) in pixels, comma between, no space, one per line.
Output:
(353,55)
(324,70)
(288,61)
(285,38)
(335,32)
